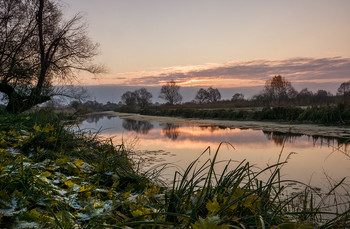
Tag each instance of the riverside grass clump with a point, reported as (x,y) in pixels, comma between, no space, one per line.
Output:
(53,177)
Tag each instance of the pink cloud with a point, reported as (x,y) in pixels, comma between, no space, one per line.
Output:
(235,73)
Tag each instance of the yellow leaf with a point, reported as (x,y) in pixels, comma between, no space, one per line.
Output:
(136,213)
(45,174)
(213,206)
(36,128)
(238,192)
(151,191)
(78,163)
(42,178)
(61,161)
(3,142)
(85,188)
(110,194)
(115,184)
(50,168)
(48,128)
(127,194)
(34,214)
(234,206)
(69,183)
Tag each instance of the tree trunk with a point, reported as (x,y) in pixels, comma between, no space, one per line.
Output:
(18,103)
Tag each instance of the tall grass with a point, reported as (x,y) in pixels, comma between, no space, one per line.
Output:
(236,197)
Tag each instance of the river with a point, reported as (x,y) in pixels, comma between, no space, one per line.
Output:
(311,159)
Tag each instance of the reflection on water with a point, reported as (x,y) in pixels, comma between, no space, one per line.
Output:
(141,127)
(180,145)
(280,138)
(171,131)
(212,129)
(96,117)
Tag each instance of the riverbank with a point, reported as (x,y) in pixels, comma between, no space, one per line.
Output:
(283,127)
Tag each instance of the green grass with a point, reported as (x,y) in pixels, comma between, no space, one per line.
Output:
(53,177)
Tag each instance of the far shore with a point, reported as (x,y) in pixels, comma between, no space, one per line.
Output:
(283,127)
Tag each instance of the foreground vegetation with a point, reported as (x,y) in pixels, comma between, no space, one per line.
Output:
(54,177)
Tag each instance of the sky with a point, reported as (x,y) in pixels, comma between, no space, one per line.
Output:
(224,44)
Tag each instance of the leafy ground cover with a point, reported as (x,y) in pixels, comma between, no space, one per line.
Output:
(53,177)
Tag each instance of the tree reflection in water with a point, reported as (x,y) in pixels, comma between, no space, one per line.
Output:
(212,129)
(96,117)
(141,127)
(171,131)
(280,138)
(339,144)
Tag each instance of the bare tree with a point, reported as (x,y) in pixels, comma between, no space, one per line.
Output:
(214,94)
(237,97)
(202,96)
(208,96)
(38,47)
(129,98)
(279,89)
(344,91)
(140,97)
(143,97)
(344,88)
(170,92)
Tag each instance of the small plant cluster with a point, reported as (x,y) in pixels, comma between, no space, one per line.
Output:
(325,115)
(51,177)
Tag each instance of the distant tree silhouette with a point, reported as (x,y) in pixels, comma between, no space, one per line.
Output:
(237,97)
(214,94)
(207,96)
(344,91)
(140,97)
(129,98)
(279,89)
(170,92)
(202,96)
(143,97)
(322,97)
(304,97)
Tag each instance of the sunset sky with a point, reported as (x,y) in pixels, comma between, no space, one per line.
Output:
(226,43)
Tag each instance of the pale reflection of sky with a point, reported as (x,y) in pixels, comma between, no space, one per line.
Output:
(310,160)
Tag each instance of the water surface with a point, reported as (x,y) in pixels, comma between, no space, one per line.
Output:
(311,159)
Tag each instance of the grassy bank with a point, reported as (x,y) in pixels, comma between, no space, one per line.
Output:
(52,177)
(330,115)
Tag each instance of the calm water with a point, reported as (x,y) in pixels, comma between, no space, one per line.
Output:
(311,159)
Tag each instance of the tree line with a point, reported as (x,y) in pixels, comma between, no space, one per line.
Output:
(277,91)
